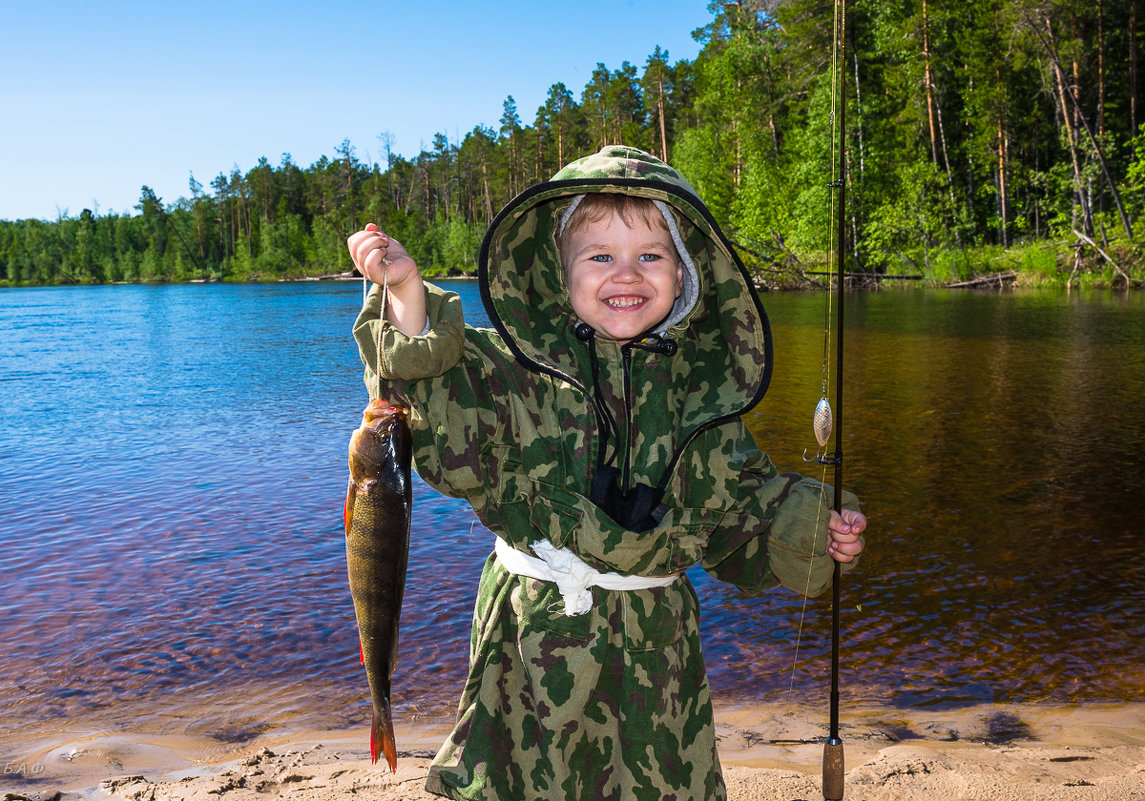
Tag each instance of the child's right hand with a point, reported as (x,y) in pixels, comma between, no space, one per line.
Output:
(379,258)
(384,260)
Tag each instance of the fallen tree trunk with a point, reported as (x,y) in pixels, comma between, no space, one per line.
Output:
(992,279)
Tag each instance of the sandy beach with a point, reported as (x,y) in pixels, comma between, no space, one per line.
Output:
(1018,752)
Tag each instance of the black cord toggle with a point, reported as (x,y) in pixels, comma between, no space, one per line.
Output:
(657,344)
(583,331)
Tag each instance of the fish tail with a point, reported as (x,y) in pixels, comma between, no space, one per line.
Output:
(382,736)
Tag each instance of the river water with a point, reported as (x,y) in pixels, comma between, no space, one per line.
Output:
(172,467)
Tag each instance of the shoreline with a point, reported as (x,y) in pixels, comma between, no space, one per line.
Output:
(999,280)
(769,752)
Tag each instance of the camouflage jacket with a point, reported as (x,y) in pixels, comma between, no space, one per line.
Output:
(516,420)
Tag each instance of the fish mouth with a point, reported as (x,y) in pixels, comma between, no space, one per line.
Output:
(382,415)
(380,406)
(370,443)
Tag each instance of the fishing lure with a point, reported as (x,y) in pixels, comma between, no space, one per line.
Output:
(823,422)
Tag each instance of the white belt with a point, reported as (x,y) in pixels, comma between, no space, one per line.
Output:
(571,574)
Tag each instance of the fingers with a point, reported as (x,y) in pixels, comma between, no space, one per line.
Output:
(844,529)
(361,243)
(368,250)
(856,520)
(850,522)
(844,551)
(379,258)
(369,232)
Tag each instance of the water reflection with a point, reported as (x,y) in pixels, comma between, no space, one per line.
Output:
(991,437)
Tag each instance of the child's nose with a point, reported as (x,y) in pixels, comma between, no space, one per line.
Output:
(626,270)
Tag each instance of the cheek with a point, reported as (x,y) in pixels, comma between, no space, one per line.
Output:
(577,290)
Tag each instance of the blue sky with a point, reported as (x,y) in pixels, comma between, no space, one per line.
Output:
(100,98)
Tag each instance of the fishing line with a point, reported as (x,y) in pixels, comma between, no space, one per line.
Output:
(822,421)
(381,318)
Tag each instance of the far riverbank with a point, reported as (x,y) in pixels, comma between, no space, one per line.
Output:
(1039,265)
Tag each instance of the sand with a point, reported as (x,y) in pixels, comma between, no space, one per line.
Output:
(770,753)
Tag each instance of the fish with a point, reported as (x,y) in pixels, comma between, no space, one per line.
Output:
(377,521)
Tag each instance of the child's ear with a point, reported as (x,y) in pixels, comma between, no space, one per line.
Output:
(679,278)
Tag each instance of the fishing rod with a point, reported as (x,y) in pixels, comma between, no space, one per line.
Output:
(833,745)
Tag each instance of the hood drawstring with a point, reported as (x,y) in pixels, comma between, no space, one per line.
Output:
(637,508)
(604,418)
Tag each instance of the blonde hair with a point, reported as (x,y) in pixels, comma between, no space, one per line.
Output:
(595,207)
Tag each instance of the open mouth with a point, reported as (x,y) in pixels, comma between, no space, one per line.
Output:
(624,302)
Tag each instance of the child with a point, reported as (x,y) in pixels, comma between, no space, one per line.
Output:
(597,432)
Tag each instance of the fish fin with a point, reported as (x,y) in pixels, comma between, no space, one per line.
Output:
(382,736)
(361,652)
(348,506)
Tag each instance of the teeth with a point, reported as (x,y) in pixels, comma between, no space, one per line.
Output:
(624,303)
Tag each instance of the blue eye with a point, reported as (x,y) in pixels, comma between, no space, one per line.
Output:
(649,257)
(602,257)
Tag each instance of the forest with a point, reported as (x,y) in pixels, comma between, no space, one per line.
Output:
(982,137)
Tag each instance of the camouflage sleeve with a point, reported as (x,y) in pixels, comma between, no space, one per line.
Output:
(406,357)
(776,533)
(439,378)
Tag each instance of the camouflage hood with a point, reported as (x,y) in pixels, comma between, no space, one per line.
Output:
(719,333)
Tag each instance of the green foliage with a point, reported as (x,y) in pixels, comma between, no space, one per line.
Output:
(909,227)
(1135,177)
(966,146)
(697,155)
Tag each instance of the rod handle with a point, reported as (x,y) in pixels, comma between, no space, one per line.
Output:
(833,769)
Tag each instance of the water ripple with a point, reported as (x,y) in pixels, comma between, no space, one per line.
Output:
(172,474)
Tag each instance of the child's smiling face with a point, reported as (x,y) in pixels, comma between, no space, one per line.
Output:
(622,278)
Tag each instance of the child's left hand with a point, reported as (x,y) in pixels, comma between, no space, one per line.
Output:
(844,531)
